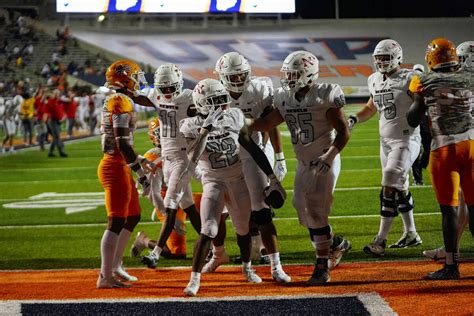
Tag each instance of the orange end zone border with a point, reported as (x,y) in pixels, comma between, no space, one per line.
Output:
(400,284)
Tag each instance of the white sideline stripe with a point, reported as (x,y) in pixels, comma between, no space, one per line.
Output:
(158,223)
(367,299)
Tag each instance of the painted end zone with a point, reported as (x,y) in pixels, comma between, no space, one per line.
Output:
(356,304)
(400,284)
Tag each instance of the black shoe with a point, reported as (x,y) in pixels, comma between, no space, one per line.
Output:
(238,260)
(448,272)
(319,277)
(63,154)
(264,258)
(151,260)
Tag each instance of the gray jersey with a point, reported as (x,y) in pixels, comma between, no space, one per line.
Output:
(220,159)
(390,96)
(170,114)
(311,132)
(254,101)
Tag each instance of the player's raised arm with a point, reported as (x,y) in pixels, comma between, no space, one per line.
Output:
(270,121)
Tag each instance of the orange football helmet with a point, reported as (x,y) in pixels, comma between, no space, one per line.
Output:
(154,131)
(125,74)
(441,53)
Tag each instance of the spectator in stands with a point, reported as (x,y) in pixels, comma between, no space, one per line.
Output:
(27,112)
(46,70)
(55,116)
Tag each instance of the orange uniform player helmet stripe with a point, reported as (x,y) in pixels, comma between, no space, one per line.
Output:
(441,53)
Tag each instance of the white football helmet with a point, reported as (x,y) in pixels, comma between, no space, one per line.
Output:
(234,71)
(387,55)
(209,94)
(300,69)
(465,53)
(168,81)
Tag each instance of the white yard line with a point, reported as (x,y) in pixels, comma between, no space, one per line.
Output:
(157,223)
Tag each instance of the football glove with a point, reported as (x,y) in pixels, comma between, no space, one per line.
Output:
(320,166)
(351,121)
(145,183)
(280,167)
(274,194)
(212,118)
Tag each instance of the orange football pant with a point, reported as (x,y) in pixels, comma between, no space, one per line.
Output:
(451,166)
(121,196)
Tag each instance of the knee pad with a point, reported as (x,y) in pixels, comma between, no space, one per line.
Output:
(388,204)
(321,237)
(405,202)
(261,217)
(210,228)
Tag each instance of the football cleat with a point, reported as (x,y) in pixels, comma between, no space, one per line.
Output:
(448,272)
(280,276)
(151,260)
(250,275)
(336,253)
(192,288)
(411,239)
(319,277)
(121,273)
(375,248)
(138,245)
(435,254)
(215,263)
(110,283)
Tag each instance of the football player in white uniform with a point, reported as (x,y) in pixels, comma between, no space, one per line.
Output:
(172,103)
(399,143)
(319,131)
(254,96)
(465,52)
(215,138)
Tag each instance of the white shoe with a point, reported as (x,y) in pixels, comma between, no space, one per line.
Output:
(376,248)
(435,254)
(214,263)
(335,255)
(120,272)
(110,283)
(192,288)
(280,276)
(250,275)
(138,245)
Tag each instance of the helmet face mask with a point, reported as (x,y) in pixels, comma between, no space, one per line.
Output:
(388,55)
(234,71)
(209,95)
(168,81)
(465,52)
(300,69)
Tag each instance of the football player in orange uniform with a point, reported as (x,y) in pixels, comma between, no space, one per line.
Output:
(446,92)
(121,197)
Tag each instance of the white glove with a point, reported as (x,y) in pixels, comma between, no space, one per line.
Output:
(147,166)
(197,173)
(280,167)
(212,118)
(419,68)
(145,183)
(322,165)
(351,121)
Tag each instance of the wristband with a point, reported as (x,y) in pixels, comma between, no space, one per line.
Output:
(280,156)
(140,173)
(137,160)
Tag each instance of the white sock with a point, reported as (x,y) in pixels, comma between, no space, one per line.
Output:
(108,246)
(195,276)
(157,250)
(218,251)
(275,260)
(408,221)
(122,243)
(247,265)
(385,226)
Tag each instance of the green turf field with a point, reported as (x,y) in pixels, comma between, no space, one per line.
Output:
(52,213)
